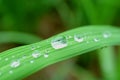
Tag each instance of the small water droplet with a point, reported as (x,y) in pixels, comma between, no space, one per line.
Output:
(15,64)
(13,56)
(59,42)
(36,54)
(87,42)
(38,46)
(33,48)
(106,34)
(96,39)
(69,37)
(78,38)
(10,71)
(31,61)
(24,56)
(6,59)
(46,55)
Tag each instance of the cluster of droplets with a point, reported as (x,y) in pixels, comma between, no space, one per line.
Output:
(37,53)
(56,43)
(61,41)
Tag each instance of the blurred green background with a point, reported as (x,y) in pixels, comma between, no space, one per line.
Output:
(27,21)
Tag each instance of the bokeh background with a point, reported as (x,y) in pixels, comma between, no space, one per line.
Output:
(27,21)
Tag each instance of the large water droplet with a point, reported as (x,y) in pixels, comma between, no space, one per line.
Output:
(15,64)
(78,38)
(36,54)
(106,34)
(59,42)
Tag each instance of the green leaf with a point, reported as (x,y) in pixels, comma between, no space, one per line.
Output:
(21,62)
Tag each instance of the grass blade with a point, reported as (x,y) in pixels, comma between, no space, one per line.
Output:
(28,59)
(108,10)
(107,63)
(17,37)
(91,11)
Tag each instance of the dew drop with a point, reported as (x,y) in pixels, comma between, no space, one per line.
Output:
(46,55)
(36,54)
(96,39)
(87,42)
(106,34)
(59,42)
(24,56)
(78,38)
(69,37)
(38,46)
(31,61)
(15,64)
(6,59)
(32,48)
(13,56)
(10,71)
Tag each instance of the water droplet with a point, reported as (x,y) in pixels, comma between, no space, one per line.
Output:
(33,48)
(6,59)
(69,37)
(46,55)
(15,64)
(59,42)
(78,38)
(106,34)
(13,56)
(10,71)
(36,54)
(87,42)
(24,56)
(31,61)
(38,46)
(96,39)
